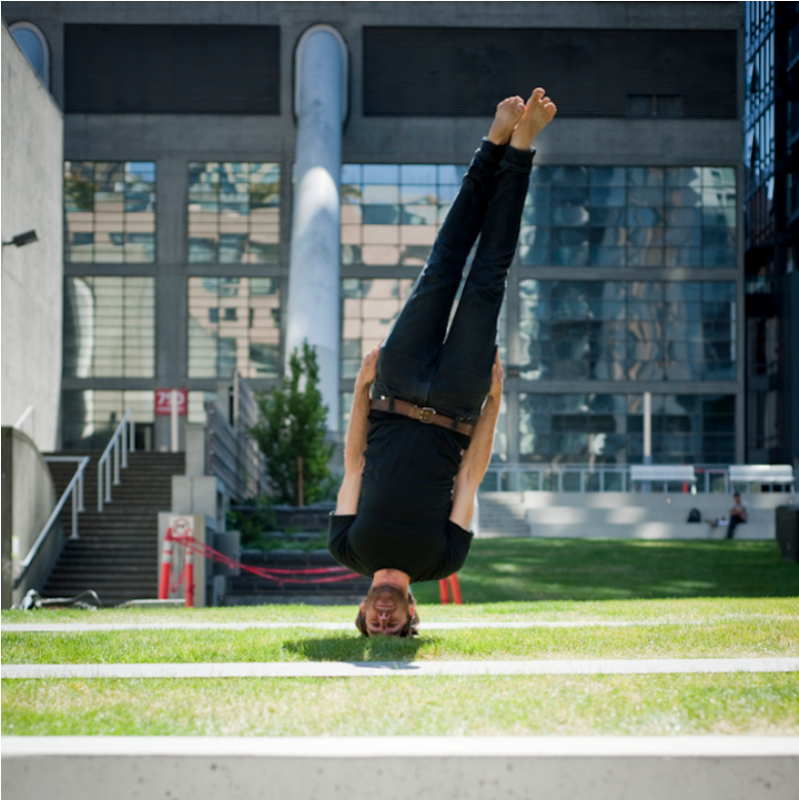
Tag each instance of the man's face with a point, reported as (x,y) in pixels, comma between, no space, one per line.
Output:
(386,610)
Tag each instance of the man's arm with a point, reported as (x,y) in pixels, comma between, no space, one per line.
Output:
(355,443)
(477,458)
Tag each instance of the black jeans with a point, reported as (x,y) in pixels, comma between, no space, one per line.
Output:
(735,521)
(420,361)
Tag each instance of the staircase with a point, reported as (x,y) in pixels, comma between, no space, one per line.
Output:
(117,552)
(502,514)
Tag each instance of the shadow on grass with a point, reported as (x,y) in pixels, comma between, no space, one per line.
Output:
(500,570)
(355,648)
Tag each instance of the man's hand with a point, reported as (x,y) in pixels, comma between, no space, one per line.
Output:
(497,379)
(368,372)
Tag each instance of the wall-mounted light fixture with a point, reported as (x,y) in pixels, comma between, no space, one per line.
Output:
(21,239)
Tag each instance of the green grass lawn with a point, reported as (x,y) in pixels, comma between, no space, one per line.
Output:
(762,636)
(497,705)
(612,569)
(718,599)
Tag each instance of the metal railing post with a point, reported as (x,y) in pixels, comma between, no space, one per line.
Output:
(108,480)
(132,442)
(124,447)
(74,516)
(115,456)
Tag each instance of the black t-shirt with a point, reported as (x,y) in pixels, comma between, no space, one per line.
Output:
(406,499)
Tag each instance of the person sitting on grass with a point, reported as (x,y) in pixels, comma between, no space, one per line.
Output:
(427,399)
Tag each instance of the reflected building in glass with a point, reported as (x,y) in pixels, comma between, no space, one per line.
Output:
(180,145)
(771,197)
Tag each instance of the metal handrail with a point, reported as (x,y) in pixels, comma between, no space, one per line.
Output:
(28,412)
(115,453)
(75,489)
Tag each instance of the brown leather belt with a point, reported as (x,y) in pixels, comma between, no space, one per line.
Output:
(424,414)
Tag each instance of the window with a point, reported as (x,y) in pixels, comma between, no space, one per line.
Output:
(109,212)
(630,217)
(654,105)
(109,327)
(234,324)
(390,213)
(90,416)
(369,308)
(33,44)
(608,428)
(635,331)
(234,213)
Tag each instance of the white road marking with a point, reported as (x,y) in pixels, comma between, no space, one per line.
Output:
(87,627)
(345,669)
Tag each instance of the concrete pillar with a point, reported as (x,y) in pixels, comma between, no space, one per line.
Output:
(320,104)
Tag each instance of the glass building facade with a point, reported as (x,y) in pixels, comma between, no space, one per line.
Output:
(178,213)
(555,333)
(771,199)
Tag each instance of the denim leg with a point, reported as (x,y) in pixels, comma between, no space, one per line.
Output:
(463,377)
(409,356)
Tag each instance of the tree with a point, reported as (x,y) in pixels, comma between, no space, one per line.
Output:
(291,432)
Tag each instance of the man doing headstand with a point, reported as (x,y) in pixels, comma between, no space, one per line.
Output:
(426,401)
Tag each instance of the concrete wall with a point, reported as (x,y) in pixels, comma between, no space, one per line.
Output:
(29,498)
(444,768)
(32,276)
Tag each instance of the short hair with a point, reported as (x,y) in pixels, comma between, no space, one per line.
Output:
(408,631)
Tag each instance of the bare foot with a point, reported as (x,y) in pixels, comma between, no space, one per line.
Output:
(538,113)
(509,112)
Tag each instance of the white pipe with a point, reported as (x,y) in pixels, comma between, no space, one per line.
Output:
(313,304)
(647,427)
(173,414)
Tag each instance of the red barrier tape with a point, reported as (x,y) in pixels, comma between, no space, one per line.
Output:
(265,572)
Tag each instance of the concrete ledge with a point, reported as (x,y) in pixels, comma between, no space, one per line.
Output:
(380,669)
(361,768)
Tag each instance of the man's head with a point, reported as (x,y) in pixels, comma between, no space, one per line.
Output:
(387,611)
(737,497)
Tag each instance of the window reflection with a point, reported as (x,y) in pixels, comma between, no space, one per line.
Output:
(90,416)
(608,428)
(633,216)
(391,213)
(109,212)
(234,324)
(234,212)
(109,327)
(618,330)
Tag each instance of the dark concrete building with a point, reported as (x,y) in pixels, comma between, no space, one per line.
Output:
(185,175)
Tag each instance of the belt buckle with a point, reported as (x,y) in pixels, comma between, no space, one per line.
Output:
(426,414)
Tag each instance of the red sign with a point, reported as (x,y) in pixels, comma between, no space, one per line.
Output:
(163,401)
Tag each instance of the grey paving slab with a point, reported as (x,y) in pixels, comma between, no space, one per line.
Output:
(369,669)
